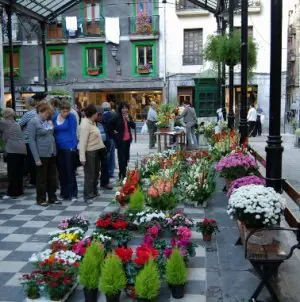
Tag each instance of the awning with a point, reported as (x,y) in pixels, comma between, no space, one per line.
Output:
(43,11)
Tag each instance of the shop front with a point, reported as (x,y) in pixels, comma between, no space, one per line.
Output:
(138,101)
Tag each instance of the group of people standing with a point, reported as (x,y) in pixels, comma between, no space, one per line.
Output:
(187,115)
(255,119)
(53,143)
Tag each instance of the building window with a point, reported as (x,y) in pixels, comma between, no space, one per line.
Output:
(185,94)
(92,17)
(93,56)
(144,7)
(193,47)
(56,64)
(250,30)
(55,31)
(144,54)
(16,63)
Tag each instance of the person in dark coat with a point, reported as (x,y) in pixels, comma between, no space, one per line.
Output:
(120,129)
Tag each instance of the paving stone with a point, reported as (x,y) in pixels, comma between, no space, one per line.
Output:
(7,229)
(19,256)
(11,266)
(197,274)
(35,224)
(3,254)
(12,212)
(32,246)
(14,280)
(45,231)
(16,238)
(13,223)
(23,217)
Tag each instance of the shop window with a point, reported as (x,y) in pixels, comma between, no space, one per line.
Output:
(185,94)
(55,31)
(94,60)
(144,57)
(92,17)
(193,47)
(56,63)
(16,63)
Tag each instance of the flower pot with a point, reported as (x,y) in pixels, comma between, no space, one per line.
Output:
(143,71)
(130,291)
(114,298)
(93,72)
(91,295)
(177,291)
(164,129)
(207,237)
(33,297)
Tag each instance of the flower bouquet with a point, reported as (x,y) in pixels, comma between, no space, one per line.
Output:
(75,221)
(130,184)
(177,220)
(148,218)
(244,181)
(31,283)
(166,114)
(236,165)
(161,195)
(256,206)
(67,237)
(207,227)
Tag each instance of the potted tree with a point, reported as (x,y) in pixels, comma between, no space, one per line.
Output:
(113,278)
(227,48)
(147,284)
(176,274)
(90,270)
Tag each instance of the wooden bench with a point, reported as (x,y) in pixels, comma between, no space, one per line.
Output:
(180,139)
(265,259)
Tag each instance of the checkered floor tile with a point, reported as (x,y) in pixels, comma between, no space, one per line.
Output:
(24,229)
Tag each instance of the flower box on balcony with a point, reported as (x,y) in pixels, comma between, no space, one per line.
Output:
(93,71)
(143,69)
(16,72)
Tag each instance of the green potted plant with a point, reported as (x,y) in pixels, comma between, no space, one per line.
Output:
(55,72)
(113,278)
(31,285)
(90,271)
(227,48)
(147,284)
(136,201)
(176,274)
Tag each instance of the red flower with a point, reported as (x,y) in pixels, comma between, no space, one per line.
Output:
(144,253)
(120,224)
(53,284)
(124,254)
(104,222)
(75,264)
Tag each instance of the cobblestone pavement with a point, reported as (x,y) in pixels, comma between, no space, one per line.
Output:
(24,229)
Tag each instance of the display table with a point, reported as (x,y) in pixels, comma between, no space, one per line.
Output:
(180,139)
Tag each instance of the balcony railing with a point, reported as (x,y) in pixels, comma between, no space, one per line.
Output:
(16,33)
(192,60)
(182,5)
(144,24)
(256,4)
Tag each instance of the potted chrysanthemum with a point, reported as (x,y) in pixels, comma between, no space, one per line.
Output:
(236,165)
(256,206)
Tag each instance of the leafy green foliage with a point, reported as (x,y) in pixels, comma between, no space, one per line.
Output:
(59,92)
(227,49)
(137,201)
(113,278)
(90,267)
(176,272)
(147,284)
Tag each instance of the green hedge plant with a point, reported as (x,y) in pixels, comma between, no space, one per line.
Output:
(147,284)
(137,201)
(176,271)
(90,267)
(113,278)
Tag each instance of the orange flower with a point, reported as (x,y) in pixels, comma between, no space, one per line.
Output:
(152,192)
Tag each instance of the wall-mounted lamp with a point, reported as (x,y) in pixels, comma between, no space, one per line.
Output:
(114,51)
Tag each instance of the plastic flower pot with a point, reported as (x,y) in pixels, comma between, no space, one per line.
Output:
(114,298)
(207,237)
(177,291)
(91,295)
(164,129)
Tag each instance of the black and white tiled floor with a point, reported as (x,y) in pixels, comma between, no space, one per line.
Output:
(24,229)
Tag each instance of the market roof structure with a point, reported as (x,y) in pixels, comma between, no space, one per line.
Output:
(41,10)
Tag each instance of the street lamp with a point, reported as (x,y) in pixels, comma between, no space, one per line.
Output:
(114,51)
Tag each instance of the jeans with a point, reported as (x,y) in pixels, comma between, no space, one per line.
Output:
(111,157)
(15,166)
(191,137)
(66,160)
(91,174)
(104,179)
(123,157)
(46,178)
(151,129)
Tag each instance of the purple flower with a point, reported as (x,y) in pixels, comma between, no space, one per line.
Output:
(244,181)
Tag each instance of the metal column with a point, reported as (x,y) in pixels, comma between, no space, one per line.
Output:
(11,59)
(231,71)
(224,76)
(244,75)
(43,26)
(274,148)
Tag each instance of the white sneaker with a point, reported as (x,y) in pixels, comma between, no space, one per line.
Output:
(59,198)
(5,197)
(74,199)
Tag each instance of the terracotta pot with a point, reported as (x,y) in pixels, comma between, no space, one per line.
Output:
(207,237)
(177,291)
(91,295)
(143,71)
(93,72)
(164,129)
(130,291)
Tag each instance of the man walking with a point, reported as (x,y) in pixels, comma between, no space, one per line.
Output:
(151,123)
(252,117)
